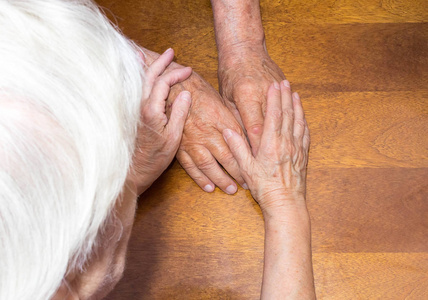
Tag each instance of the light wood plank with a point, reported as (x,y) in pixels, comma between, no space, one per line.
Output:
(369,129)
(362,276)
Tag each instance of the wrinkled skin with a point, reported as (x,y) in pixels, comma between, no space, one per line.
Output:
(202,147)
(276,175)
(158,135)
(245,74)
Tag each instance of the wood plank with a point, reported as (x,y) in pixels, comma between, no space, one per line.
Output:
(315,57)
(370,129)
(164,14)
(351,57)
(345,11)
(187,244)
(368,210)
(362,276)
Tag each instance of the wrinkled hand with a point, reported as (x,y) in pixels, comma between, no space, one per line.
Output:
(276,175)
(245,74)
(158,136)
(203,149)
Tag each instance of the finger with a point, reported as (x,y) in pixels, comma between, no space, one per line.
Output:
(299,119)
(192,170)
(306,137)
(179,112)
(251,113)
(208,165)
(160,64)
(287,109)
(273,118)
(239,149)
(224,156)
(163,85)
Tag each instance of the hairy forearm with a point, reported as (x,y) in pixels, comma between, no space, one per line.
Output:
(237,23)
(287,270)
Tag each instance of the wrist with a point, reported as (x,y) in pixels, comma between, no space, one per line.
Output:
(296,219)
(138,183)
(237,23)
(282,214)
(280,208)
(234,53)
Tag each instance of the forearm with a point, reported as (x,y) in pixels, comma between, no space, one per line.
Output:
(237,23)
(287,270)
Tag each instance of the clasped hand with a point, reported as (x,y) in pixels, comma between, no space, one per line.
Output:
(276,175)
(158,137)
(273,168)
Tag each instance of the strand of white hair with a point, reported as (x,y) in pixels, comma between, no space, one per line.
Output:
(70,91)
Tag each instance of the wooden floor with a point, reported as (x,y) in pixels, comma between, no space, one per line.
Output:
(361,68)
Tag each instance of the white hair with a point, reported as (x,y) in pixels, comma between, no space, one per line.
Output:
(70,92)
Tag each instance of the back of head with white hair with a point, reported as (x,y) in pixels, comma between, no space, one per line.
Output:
(70,91)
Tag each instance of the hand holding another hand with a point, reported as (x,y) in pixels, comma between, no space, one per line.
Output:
(158,136)
(245,74)
(276,175)
(203,151)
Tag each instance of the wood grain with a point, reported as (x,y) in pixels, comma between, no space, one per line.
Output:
(361,68)
(362,276)
(368,129)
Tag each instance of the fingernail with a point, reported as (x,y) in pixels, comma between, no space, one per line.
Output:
(296,95)
(286,83)
(227,133)
(245,186)
(208,188)
(276,85)
(167,50)
(231,189)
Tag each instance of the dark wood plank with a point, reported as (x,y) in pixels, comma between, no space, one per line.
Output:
(188,244)
(345,11)
(315,57)
(351,57)
(369,210)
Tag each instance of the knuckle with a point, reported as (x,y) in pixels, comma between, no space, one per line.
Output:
(288,150)
(307,139)
(187,165)
(300,122)
(276,115)
(204,162)
(160,81)
(255,129)
(146,113)
(226,156)
(288,114)
(244,87)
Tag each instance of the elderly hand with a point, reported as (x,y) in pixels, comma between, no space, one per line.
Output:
(276,175)
(158,136)
(203,149)
(245,74)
